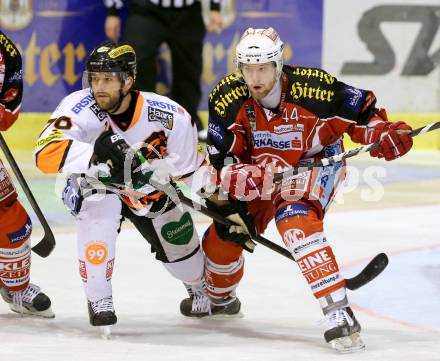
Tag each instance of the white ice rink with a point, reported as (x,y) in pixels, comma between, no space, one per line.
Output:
(399,311)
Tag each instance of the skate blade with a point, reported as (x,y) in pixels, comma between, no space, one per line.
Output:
(348,344)
(105,331)
(25,312)
(217,316)
(224,316)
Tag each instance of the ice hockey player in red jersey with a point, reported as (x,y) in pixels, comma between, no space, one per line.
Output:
(266,118)
(15,224)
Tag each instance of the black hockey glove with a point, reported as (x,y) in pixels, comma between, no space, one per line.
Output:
(113,150)
(243,232)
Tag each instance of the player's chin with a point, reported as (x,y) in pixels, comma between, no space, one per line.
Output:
(258,93)
(104,104)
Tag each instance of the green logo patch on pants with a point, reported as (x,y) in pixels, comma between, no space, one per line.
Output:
(180,232)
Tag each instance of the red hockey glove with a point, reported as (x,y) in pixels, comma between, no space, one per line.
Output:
(246,181)
(7,118)
(394,138)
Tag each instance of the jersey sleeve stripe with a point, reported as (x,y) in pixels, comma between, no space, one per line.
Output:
(51,158)
(66,152)
(137,111)
(50,121)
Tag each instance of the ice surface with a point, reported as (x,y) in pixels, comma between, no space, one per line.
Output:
(399,311)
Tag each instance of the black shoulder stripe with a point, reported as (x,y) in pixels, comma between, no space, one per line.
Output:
(65,153)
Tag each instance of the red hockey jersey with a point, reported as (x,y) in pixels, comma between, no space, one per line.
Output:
(316,110)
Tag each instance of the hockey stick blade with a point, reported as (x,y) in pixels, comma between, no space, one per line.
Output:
(373,269)
(46,245)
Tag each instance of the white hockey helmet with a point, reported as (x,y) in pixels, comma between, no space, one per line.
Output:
(260,46)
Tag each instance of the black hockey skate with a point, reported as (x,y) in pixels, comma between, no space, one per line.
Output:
(344,330)
(200,305)
(102,313)
(30,301)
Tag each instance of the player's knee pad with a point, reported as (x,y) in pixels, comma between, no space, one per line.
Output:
(190,270)
(302,233)
(218,250)
(224,264)
(176,234)
(300,227)
(15,251)
(171,234)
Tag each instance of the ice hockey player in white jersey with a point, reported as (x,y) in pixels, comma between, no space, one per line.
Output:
(99,125)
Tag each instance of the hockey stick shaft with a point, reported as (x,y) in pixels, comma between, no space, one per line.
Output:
(47,243)
(348,154)
(371,271)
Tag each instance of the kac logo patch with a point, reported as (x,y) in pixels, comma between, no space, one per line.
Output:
(293,236)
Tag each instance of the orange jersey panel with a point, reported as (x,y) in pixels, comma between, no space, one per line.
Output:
(50,159)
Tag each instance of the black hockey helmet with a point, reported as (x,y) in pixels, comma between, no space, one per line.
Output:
(111,57)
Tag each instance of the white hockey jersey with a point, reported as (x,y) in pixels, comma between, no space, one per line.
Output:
(67,142)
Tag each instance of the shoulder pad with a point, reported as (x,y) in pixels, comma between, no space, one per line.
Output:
(313,89)
(319,92)
(70,100)
(10,50)
(162,102)
(164,111)
(75,104)
(227,97)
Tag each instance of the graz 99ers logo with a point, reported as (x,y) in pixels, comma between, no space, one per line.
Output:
(96,252)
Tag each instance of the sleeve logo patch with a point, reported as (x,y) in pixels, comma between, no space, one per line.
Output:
(157,115)
(23,233)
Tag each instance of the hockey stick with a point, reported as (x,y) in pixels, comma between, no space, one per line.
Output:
(351,153)
(47,243)
(371,271)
